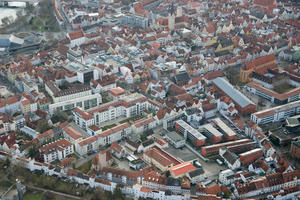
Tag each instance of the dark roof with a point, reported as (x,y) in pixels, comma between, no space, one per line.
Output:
(173,182)
(196,172)
(147,143)
(182,77)
(225,42)
(230,157)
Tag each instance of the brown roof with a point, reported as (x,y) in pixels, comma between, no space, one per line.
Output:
(87,140)
(57,145)
(76,34)
(73,133)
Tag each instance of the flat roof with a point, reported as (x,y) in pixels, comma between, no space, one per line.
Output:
(233,93)
(191,130)
(224,127)
(174,136)
(212,130)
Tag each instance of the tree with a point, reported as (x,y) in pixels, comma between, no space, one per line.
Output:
(59,116)
(5,21)
(33,152)
(168,173)
(118,193)
(143,137)
(296,56)
(42,126)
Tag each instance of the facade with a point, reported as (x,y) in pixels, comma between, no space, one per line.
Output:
(143,125)
(76,96)
(175,139)
(126,106)
(135,20)
(276,114)
(57,150)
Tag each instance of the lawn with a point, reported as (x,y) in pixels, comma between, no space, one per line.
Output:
(33,196)
(134,118)
(108,127)
(284,87)
(85,168)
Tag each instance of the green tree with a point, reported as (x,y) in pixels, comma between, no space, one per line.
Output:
(143,137)
(33,152)
(60,116)
(296,56)
(118,195)
(42,126)
(168,173)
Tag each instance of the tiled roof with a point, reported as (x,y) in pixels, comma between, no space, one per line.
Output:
(73,133)
(76,34)
(182,168)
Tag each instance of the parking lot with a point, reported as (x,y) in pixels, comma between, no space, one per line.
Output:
(211,168)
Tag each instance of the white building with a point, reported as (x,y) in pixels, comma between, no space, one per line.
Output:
(143,125)
(226,177)
(126,106)
(276,113)
(59,149)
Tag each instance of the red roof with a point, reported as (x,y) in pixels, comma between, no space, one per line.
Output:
(76,34)
(73,133)
(182,168)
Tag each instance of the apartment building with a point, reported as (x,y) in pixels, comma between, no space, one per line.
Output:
(190,133)
(126,106)
(276,113)
(57,150)
(76,96)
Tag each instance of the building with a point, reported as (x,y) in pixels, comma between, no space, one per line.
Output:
(126,106)
(116,93)
(194,136)
(224,129)
(135,20)
(175,139)
(276,114)
(231,159)
(293,124)
(250,156)
(242,103)
(143,125)
(77,38)
(9,105)
(259,65)
(181,169)
(87,145)
(57,150)
(72,135)
(226,177)
(75,96)
(210,132)
(259,89)
(295,149)
(214,149)
(160,158)
(82,119)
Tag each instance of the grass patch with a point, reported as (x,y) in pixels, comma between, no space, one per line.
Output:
(33,196)
(108,127)
(85,168)
(284,87)
(134,118)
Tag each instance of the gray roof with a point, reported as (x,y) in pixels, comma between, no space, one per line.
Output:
(234,94)
(196,172)
(230,157)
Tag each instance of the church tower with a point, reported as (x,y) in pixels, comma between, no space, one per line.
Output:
(171,17)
